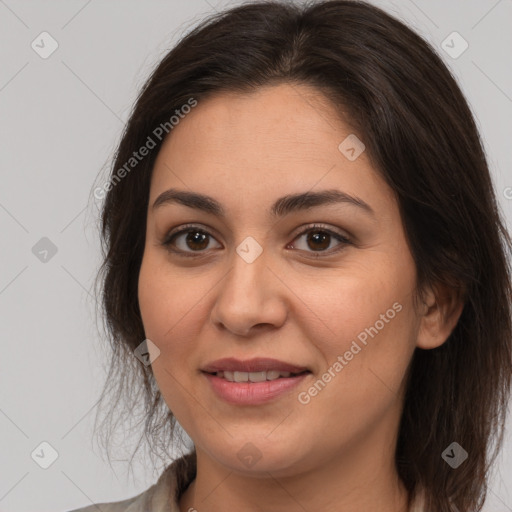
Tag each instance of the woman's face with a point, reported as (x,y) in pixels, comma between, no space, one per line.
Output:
(263,282)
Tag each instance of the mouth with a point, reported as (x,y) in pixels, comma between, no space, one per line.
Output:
(254,381)
(257,369)
(235,376)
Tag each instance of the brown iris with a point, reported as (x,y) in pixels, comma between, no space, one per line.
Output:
(197,237)
(319,237)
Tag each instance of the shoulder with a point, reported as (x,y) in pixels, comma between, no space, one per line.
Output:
(134,504)
(419,500)
(163,496)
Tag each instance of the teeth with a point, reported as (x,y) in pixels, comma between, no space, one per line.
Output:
(252,376)
(257,376)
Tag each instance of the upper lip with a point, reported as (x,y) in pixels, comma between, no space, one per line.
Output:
(258,364)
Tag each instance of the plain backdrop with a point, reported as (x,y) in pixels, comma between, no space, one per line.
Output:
(61,116)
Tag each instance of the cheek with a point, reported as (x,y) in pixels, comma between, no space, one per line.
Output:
(361,382)
(164,299)
(173,313)
(170,321)
(369,346)
(369,322)
(355,305)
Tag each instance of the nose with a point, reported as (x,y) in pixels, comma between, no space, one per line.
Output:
(250,297)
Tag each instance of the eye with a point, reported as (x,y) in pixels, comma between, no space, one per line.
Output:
(197,240)
(319,238)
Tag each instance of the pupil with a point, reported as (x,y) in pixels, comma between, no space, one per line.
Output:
(323,237)
(192,237)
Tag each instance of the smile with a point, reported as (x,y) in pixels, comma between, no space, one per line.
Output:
(255,376)
(253,388)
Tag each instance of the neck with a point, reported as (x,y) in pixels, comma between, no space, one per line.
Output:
(351,481)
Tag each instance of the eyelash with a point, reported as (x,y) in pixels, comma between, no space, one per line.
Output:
(188,228)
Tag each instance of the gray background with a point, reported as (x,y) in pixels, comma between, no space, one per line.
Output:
(60,119)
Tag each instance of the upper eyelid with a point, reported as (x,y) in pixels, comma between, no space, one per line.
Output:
(188,227)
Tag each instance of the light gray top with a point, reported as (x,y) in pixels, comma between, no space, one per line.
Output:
(163,496)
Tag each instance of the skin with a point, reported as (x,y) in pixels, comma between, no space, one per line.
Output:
(294,303)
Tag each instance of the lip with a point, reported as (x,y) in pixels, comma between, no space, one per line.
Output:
(253,393)
(257,364)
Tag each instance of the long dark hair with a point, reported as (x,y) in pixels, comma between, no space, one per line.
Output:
(421,137)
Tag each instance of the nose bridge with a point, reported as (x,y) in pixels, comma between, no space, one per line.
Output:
(246,279)
(248,294)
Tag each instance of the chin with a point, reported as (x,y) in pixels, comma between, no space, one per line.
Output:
(258,456)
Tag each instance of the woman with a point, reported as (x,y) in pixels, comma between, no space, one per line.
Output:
(303,251)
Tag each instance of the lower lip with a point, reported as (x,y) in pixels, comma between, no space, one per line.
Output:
(252,393)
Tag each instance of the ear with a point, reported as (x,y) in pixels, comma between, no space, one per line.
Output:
(440,313)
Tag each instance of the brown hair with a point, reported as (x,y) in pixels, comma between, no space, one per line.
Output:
(421,137)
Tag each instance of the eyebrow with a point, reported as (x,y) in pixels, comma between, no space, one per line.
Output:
(281,207)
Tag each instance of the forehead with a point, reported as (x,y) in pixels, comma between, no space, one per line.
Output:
(278,116)
(282,138)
